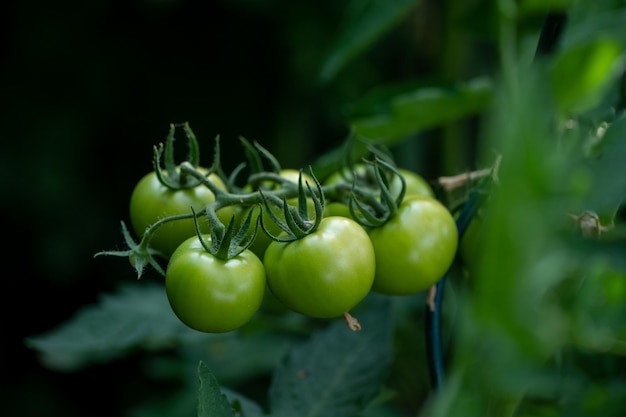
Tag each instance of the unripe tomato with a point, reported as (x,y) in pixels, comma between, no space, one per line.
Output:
(335,208)
(415,184)
(415,247)
(151,201)
(210,294)
(324,274)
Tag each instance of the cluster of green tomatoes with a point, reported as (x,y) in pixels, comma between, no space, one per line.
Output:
(319,247)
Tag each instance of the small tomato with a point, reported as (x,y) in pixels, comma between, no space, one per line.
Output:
(210,294)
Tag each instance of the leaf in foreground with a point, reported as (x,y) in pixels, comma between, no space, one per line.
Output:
(211,401)
(337,371)
(137,316)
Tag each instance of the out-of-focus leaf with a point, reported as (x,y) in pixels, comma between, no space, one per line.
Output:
(366,21)
(584,24)
(337,371)
(137,316)
(211,401)
(535,6)
(237,357)
(412,111)
(606,166)
(244,407)
(599,316)
(598,64)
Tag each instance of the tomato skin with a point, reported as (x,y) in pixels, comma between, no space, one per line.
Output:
(151,201)
(213,295)
(324,274)
(415,184)
(335,208)
(414,248)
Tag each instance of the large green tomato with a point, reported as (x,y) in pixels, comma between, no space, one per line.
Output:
(324,274)
(415,247)
(210,294)
(151,201)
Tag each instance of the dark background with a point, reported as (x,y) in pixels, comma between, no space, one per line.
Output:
(89,87)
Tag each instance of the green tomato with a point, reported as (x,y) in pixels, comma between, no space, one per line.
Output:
(415,247)
(324,274)
(415,184)
(151,201)
(210,294)
(336,208)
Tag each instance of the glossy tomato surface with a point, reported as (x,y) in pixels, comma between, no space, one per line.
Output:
(415,247)
(210,294)
(324,274)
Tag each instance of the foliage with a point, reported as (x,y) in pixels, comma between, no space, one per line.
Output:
(534,324)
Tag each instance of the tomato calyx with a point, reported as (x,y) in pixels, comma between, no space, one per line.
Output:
(139,254)
(295,223)
(370,210)
(254,151)
(227,242)
(176,177)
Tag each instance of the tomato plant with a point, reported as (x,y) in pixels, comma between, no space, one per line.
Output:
(415,247)
(210,294)
(324,274)
(545,308)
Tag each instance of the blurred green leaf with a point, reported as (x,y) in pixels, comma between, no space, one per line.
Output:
(211,401)
(534,6)
(412,111)
(366,21)
(599,316)
(236,357)
(583,74)
(337,371)
(137,316)
(606,166)
(585,23)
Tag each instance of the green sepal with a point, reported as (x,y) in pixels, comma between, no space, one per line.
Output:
(139,255)
(377,211)
(173,176)
(254,153)
(225,244)
(296,222)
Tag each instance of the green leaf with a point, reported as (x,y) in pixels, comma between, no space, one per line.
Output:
(607,167)
(536,6)
(211,401)
(599,63)
(137,316)
(412,111)
(585,22)
(243,405)
(366,22)
(337,371)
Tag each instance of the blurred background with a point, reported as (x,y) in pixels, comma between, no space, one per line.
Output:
(89,87)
